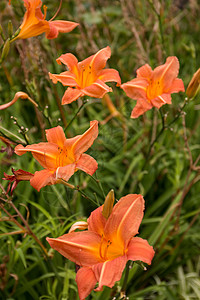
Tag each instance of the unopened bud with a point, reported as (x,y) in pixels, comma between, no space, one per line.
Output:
(194,86)
(10,28)
(1,33)
(108,204)
(5,50)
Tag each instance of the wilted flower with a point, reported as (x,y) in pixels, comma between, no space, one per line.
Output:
(34,22)
(87,77)
(103,250)
(154,88)
(19,175)
(61,157)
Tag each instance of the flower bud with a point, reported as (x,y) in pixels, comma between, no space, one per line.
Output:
(194,85)
(10,29)
(5,50)
(1,33)
(108,204)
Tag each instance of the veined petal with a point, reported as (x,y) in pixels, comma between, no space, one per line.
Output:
(167,73)
(69,60)
(144,72)
(86,282)
(176,86)
(43,178)
(98,89)
(136,88)
(99,59)
(56,135)
(141,107)
(65,172)
(139,249)
(96,221)
(87,164)
(71,95)
(109,272)
(161,100)
(45,153)
(109,75)
(59,26)
(125,218)
(67,78)
(86,140)
(79,247)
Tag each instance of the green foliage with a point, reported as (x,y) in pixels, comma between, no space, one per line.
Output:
(165,173)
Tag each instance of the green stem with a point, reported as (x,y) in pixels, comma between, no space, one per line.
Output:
(124,285)
(79,109)
(99,184)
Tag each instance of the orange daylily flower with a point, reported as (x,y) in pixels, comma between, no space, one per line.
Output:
(103,250)
(61,157)
(87,77)
(34,22)
(154,87)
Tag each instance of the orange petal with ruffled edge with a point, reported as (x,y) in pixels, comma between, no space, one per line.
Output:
(125,219)
(144,72)
(96,221)
(139,249)
(85,140)
(109,75)
(65,172)
(166,73)
(71,95)
(97,90)
(161,100)
(136,88)
(59,26)
(109,272)
(69,60)
(43,178)
(176,86)
(56,135)
(99,59)
(80,247)
(87,164)
(45,153)
(66,78)
(141,107)
(86,282)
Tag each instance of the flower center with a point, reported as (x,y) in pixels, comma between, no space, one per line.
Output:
(154,89)
(109,250)
(86,77)
(63,159)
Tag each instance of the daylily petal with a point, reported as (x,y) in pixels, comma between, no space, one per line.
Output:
(45,153)
(69,60)
(56,135)
(66,78)
(167,73)
(87,164)
(18,95)
(59,26)
(86,140)
(136,88)
(100,58)
(65,172)
(96,221)
(109,272)
(86,282)
(43,178)
(98,89)
(109,75)
(177,86)
(139,249)
(144,72)
(71,95)
(161,100)
(125,218)
(141,107)
(80,247)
